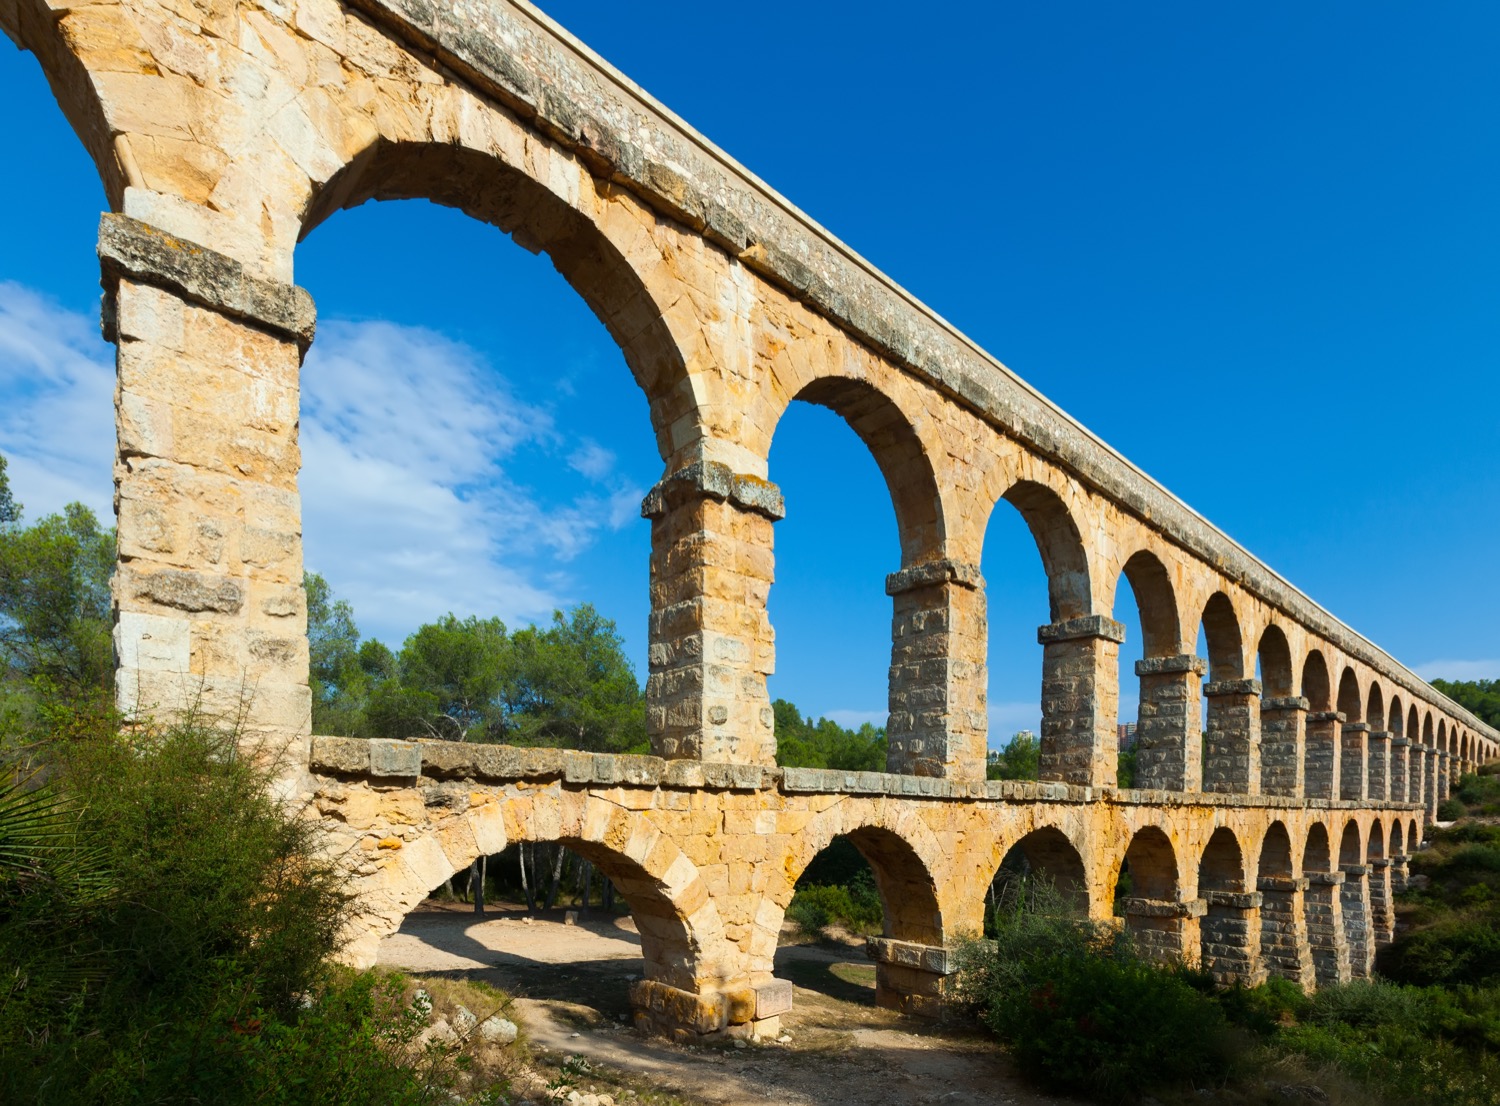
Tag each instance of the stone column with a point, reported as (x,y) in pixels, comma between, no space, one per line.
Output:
(1168,733)
(1326,937)
(911,978)
(1283,745)
(1417,781)
(210,615)
(1400,765)
(1080,700)
(711,641)
(1354,896)
(1380,766)
(1352,778)
(1445,783)
(1398,874)
(1382,905)
(1322,777)
(937,680)
(1233,737)
(1283,927)
(1231,937)
(1165,930)
(1429,782)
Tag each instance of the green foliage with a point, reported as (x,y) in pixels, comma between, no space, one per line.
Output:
(1080,1012)
(1125,768)
(1452,912)
(854,906)
(1021,759)
(55,615)
(459,666)
(802,743)
(1479,793)
(1482,697)
(1451,810)
(10,510)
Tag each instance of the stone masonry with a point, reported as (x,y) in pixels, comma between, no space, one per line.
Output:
(225,133)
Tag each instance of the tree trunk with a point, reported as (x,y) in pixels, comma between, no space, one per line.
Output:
(524,848)
(609,895)
(476,883)
(556,877)
(588,883)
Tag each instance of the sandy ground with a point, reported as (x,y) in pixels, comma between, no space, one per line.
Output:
(570,983)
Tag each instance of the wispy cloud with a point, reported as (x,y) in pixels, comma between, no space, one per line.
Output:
(412,446)
(1459,670)
(56,404)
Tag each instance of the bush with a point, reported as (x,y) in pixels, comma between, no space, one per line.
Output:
(1451,810)
(1080,1012)
(855,906)
(189,918)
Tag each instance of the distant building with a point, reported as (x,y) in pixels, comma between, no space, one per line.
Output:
(1126,733)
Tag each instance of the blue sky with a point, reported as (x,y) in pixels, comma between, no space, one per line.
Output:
(1254,248)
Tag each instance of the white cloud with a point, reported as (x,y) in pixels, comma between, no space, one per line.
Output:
(408,438)
(56,405)
(1459,670)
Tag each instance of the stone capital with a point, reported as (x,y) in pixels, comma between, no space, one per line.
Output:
(1087,626)
(1292,702)
(1165,908)
(1237,900)
(1380,735)
(714,480)
(1162,666)
(931,573)
(1282,883)
(1326,716)
(132,250)
(1325,877)
(1355,870)
(1399,742)
(1231,687)
(1356,727)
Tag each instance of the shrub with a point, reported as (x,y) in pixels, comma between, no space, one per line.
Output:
(1451,810)
(855,906)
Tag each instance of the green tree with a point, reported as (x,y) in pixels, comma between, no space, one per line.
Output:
(337,677)
(55,602)
(1021,759)
(571,685)
(452,673)
(10,510)
(1482,697)
(803,743)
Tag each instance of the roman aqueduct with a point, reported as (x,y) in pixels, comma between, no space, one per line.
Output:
(1270,841)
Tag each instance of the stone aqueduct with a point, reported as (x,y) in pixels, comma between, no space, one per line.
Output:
(224,132)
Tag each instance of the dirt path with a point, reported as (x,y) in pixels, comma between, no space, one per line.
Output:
(571,982)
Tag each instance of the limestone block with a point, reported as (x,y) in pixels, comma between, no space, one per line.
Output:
(395,758)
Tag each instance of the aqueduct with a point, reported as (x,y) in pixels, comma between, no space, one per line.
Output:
(1268,841)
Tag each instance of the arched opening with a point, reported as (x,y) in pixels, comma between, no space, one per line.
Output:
(1044,857)
(866,882)
(1378,769)
(1281,719)
(1154,749)
(1147,895)
(1283,932)
(1320,779)
(1065,725)
(1231,718)
(856,482)
(1323,907)
(477,436)
(1355,896)
(57,378)
(586,957)
(1382,884)
(1229,930)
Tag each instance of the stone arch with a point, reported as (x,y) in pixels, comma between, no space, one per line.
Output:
(1427,729)
(1226,937)
(1375,844)
(1059,540)
(1355,900)
(1283,932)
(1317,855)
(1375,707)
(1156,599)
(1413,724)
(1051,854)
(1397,839)
(901,851)
(1153,865)
(603,271)
(1351,850)
(682,936)
(1442,735)
(901,455)
(1413,835)
(1315,681)
(1221,632)
(1222,865)
(63,41)
(1396,717)
(1350,702)
(1275,663)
